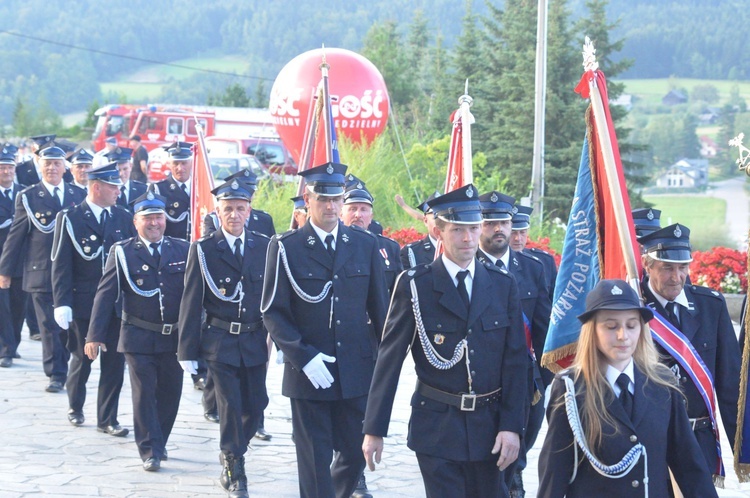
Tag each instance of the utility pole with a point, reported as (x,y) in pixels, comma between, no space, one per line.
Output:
(540,93)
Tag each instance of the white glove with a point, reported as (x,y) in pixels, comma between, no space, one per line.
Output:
(63,316)
(317,371)
(279,357)
(190,366)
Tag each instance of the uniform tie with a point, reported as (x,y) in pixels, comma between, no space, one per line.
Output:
(155,251)
(623,381)
(329,245)
(8,194)
(238,250)
(184,189)
(56,195)
(122,194)
(672,314)
(500,264)
(461,276)
(104,217)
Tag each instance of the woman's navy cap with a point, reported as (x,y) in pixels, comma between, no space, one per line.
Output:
(327,179)
(496,206)
(82,156)
(150,203)
(646,220)
(522,218)
(120,155)
(669,244)
(107,173)
(180,151)
(234,189)
(613,295)
(459,206)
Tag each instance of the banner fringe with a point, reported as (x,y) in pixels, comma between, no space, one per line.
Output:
(550,358)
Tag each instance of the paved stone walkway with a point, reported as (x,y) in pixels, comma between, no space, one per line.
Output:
(42,454)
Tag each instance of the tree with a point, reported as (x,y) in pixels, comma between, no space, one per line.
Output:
(233,96)
(708,94)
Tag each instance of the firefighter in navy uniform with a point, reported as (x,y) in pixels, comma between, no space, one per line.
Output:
(465,332)
(421,252)
(646,221)
(357,211)
(701,315)
(258,221)
(352,181)
(494,248)
(29,172)
(520,236)
(29,246)
(324,285)
(84,235)
(13,299)
(176,189)
(130,189)
(80,164)
(224,278)
(148,272)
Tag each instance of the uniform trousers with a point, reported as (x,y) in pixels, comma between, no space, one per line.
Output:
(320,429)
(240,398)
(447,478)
(112,366)
(54,353)
(156,382)
(12,309)
(31,321)
(209,394)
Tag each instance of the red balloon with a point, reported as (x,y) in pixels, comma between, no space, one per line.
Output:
(359,98)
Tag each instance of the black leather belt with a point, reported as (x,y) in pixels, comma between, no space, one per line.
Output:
(700,423)
(234,327)
(464,401)
(164,328)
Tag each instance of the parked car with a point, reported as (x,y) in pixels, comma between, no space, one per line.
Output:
(270,151)
(222,165)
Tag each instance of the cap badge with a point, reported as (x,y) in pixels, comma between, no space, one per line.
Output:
(5,151)
(616,291)
(470,192)
(514,211)
(650,215)
(677,232)
(235,185)
(246,173)
(439,339)
(493,198)
(150,196)
(360,186)
(350,177)
(329,169)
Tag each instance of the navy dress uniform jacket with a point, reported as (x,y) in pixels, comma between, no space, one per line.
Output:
(142,270)
(74,278)
(493,328)
(26,245)
(659,422)
(708,327)
(258,221)
(7,212)
(210,342)
(136,190)
(421,252)
(178,204)
(390,251)
(301,329)
(550,267)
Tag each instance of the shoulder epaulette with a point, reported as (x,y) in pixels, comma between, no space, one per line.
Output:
(530,257)
(260,234)
(416,271)
(206,237)
(706,291)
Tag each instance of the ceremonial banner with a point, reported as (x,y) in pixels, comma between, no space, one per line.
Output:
(201,184)
(742,438)
(600,238)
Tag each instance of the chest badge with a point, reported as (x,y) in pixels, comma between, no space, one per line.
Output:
(93,237)
(144,267)
(223,291)
(139,282)
(87,249)
(438,339)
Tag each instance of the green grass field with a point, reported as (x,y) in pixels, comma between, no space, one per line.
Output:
(704,216)
(651,91)
(145,85)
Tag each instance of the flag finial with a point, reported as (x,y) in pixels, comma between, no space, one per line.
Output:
(589,56)
(744,158)
(466,98)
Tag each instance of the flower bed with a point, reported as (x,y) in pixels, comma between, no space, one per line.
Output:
(721,269)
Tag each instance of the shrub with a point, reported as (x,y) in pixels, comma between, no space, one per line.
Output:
(721,269)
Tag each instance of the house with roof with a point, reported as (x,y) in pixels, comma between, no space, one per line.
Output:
(684,174)
(674,97)
(708,147)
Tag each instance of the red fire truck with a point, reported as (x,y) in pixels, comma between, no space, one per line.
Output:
(158,125)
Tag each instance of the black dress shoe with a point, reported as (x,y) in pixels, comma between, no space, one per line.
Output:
(361,490)
(199,384)
(152,464)
(35,337)
(16,356)
(262,434)
(55,386)
(75,418)
(211,417)
(115,430)
(6,362)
